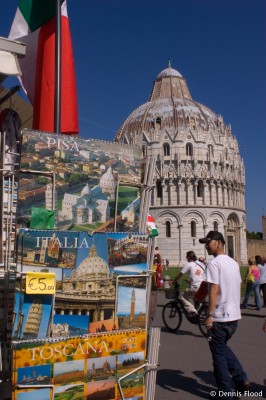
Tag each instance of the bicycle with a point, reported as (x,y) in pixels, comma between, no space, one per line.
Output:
(172,312)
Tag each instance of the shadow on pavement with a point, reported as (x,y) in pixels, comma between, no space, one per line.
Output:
(181,332)
(175,381)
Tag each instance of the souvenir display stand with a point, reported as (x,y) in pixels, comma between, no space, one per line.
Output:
(76,265)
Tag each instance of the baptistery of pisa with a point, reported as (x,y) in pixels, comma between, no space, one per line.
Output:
(199,177)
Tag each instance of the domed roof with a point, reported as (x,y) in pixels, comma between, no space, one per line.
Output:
(93,265)
(169,72)
(170,106)
(107,180)
(85,190)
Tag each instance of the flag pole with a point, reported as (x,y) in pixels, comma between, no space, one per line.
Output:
(58,59)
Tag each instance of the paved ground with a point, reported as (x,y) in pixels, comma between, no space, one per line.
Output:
(185,364)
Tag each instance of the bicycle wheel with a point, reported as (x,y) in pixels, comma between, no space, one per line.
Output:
(202,315)
(172,316)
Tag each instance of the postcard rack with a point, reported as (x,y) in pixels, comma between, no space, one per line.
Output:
(133,346)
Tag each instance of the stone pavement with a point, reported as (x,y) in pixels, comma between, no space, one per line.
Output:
(250,311)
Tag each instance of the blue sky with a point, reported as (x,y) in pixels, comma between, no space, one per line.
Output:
(219,47)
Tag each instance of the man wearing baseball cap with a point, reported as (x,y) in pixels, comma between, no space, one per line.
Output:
(224,279)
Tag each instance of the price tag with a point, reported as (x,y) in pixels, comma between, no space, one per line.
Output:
(40,283)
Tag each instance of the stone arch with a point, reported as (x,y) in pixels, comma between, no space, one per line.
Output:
(169,214)
(189,241)
(216,218)
(197,214)
(233,236)
(169,247)
(233,221)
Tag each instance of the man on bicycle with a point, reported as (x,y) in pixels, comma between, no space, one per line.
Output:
(196,271)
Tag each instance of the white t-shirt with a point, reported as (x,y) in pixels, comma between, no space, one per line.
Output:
(196,274)
(224,271)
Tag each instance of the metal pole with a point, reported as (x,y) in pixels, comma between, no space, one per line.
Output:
(58,59)
(116,203)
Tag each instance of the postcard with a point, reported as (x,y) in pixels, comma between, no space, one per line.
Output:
(70,391)
(104,326)
(53,351)
(91,185)
(29,394)
(100,368)
(37,375)
(131,307)
(47,249)
(127,253)
(32,316)
(69,325)
(101,390)
(68,372)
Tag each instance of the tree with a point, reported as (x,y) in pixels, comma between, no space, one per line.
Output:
(254,235)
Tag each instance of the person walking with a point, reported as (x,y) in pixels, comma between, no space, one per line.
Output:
(252,280)
(261,263)
(196,273)
(223,276)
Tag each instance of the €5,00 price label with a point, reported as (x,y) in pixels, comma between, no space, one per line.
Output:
(40,283)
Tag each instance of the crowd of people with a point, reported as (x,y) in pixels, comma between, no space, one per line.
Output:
(223,276)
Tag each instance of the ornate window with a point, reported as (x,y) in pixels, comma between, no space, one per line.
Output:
(158,123)
(166,149)
(215,226)
(192,123)
(226,154)
(210,149)
(144,151)
(168,229)
(200,189)
(193,229)
(189,149)
(159,189)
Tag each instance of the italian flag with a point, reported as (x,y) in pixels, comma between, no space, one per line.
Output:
(151,227)
(34,24)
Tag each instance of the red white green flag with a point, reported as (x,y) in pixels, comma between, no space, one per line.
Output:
(151,227)
(34,25)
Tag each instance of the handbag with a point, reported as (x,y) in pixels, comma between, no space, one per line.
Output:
(251,279)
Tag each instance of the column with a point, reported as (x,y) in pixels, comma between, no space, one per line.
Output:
(204,191)
(218,192)
(211,189)
(187,191)
(180,242)
(179,183)
(195,191)
(163,194)
(170,192)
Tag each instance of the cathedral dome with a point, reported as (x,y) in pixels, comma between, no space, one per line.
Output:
(93,265)
(170,107)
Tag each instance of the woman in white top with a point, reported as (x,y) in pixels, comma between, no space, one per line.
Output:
(261,263)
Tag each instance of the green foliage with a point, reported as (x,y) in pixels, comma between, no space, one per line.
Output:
(254,235)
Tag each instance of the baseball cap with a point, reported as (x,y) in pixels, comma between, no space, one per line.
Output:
(213,235)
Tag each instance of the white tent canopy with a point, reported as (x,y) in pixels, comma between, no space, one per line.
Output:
(10,50)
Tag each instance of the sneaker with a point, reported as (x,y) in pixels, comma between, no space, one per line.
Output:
(242,386)
(243,307)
